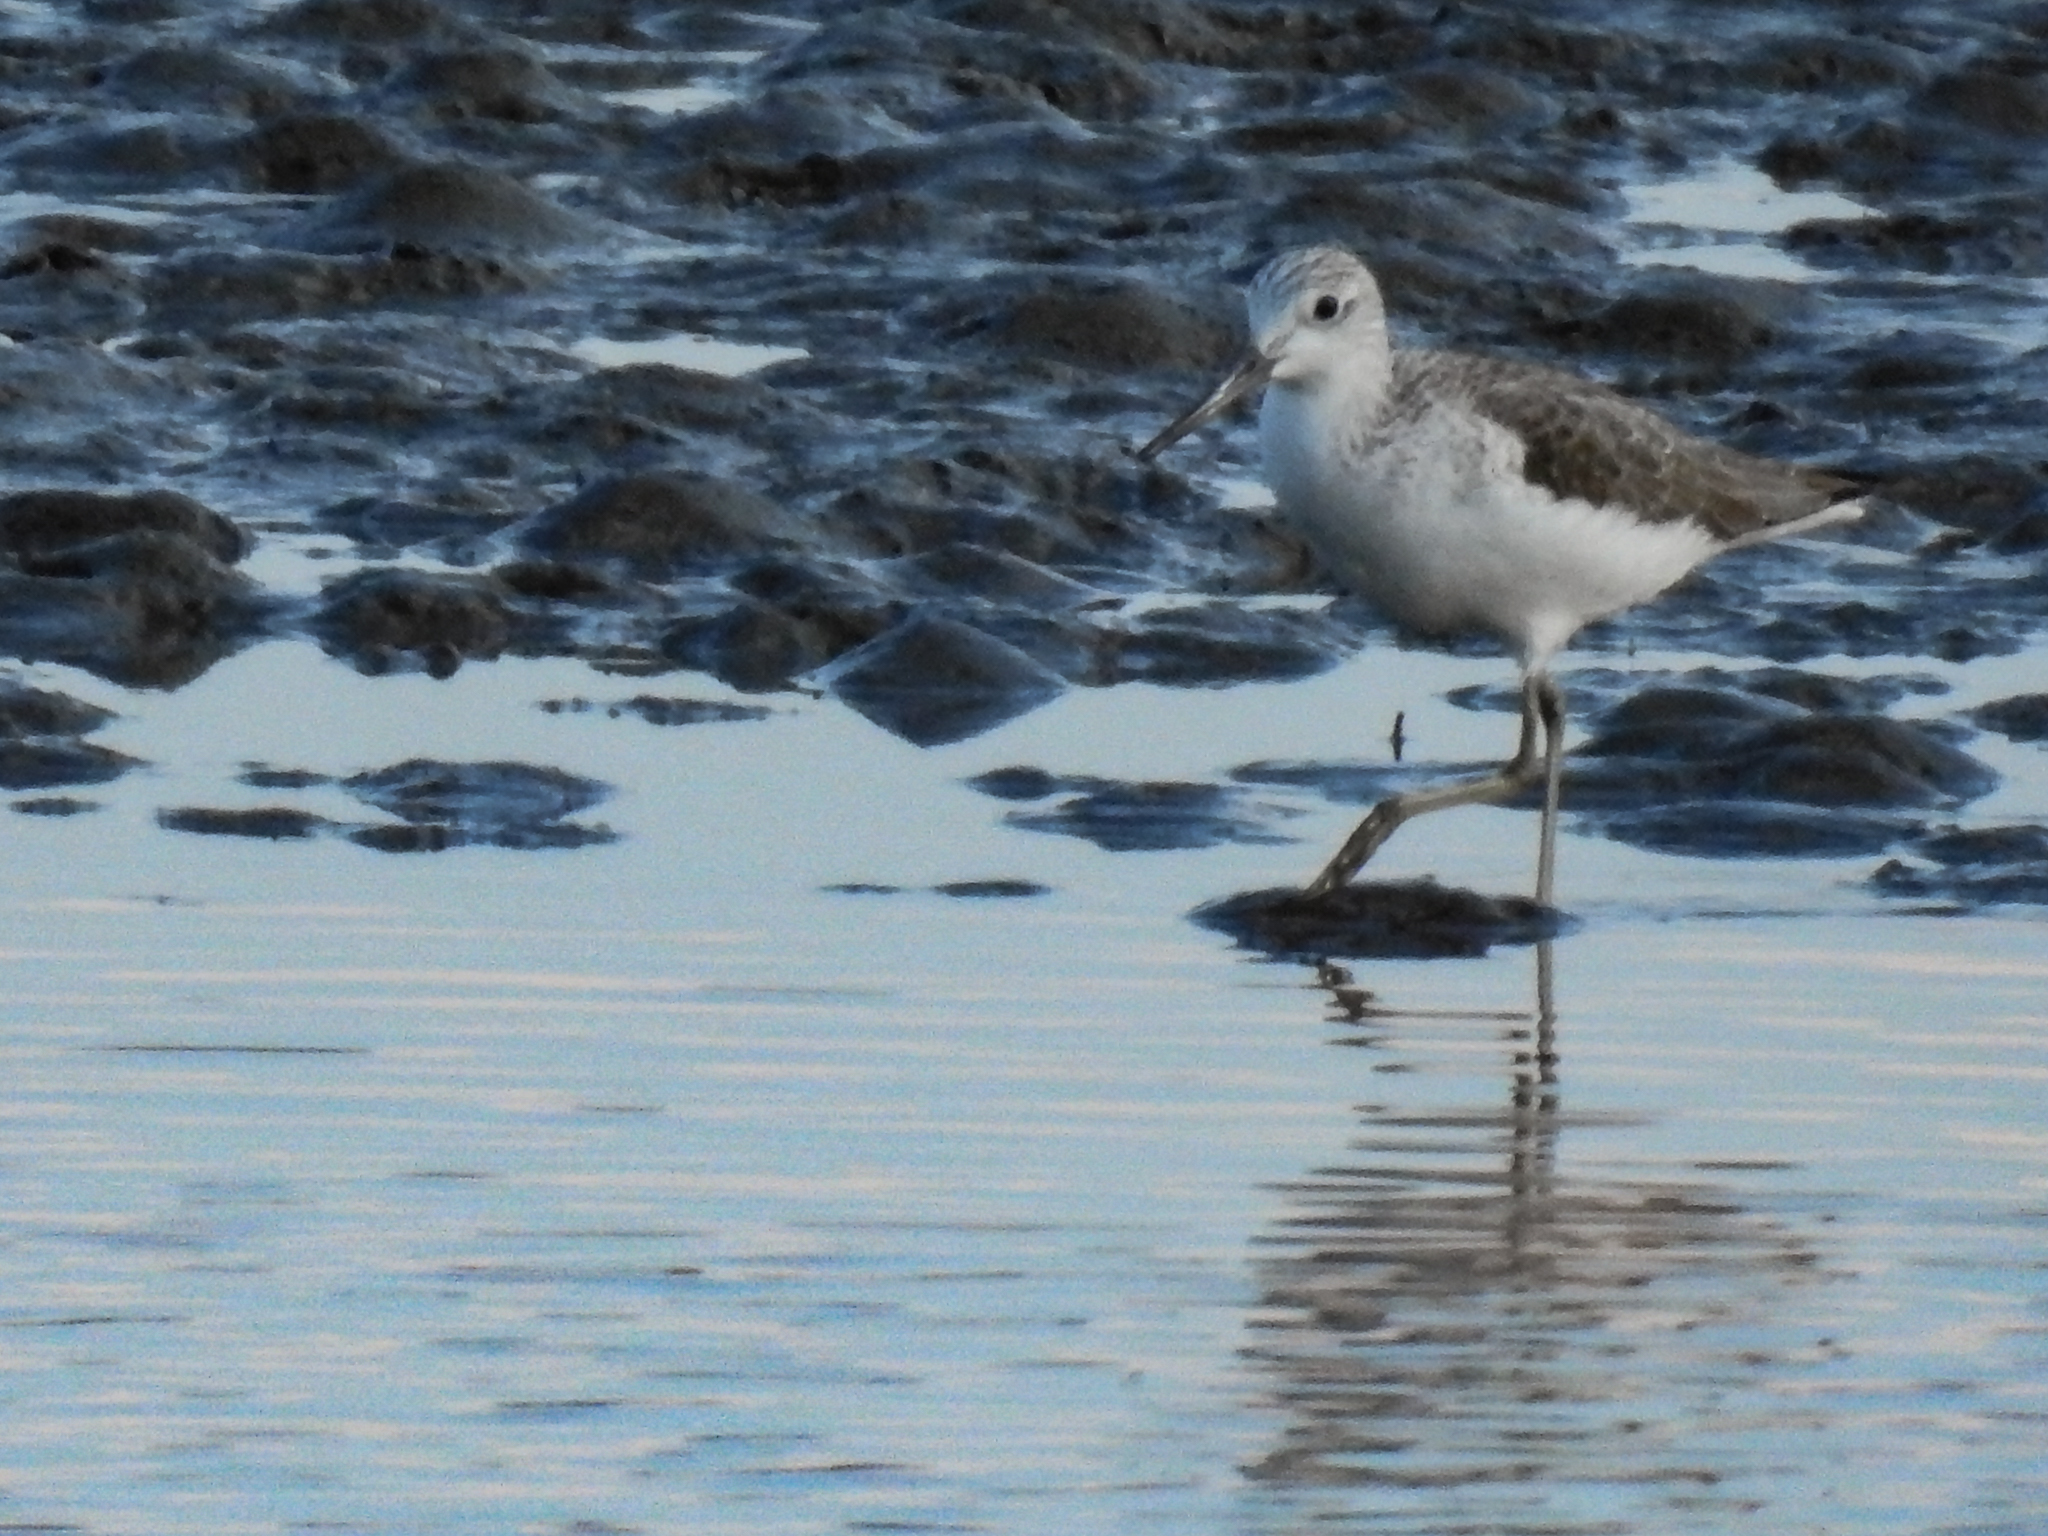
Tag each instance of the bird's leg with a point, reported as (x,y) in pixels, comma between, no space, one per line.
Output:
(1550,702)
(1541,704)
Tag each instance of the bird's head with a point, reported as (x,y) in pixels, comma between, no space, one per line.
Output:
(1310,310)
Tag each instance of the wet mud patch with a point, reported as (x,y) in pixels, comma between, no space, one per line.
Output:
(1965,870)
(656,710)
(140,589)
(999,888)
(503,805)
(2023,717)
(277,823)
(42,743)
(933,680)
(1126,817)
(439,805)
(1777,763)
(1682,769)
(347,266)
(1410,919)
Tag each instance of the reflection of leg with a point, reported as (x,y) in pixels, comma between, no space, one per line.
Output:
(1533,1145)
(1541,703)
(1550,700)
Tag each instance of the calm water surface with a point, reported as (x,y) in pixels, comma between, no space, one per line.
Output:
(652,1187)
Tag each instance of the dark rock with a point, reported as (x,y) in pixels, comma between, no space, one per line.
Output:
(1416,919)
(1832,64)
(1466,99)
(1670,744)
(449,207)
(1216,644)
(1346,783)
(2004,95)
(53,805)
(663,524)
(318,152)
(553,581)
(45,762)
(1119,326)
(443,618)
(793,617)
(1720,829)
(178,78)
(934,680)
(1981,867)
(1922,361)
(993,575)
(659,711)
(813,180)
(1978,491)
(682,400)
(1124,818)
(883,219)
(272,821)
(385,523)
(939,75)
(27,712)
(2023,717)
(195,289)
(1689,318)
(2001,234)
(505,805)
(1049,509)
(985,890)
(44,521)
(405,22)
(145,608)
(259,777)
(2026,843)
(752,646)
(505,84)
(1020,783)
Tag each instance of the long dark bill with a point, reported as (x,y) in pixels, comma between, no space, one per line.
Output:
(1246,377)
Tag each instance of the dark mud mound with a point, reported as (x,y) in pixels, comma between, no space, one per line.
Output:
(1130,817)
(1715,764)
(997,888)
(273,823)
(1005,238)
(1722,774)
(438,806)
(662,524)
(43,522)
(658,710)
(383,618)
(2023,717)
(934,680)
(792,617)
(1415,919)
(41,745)
(137,589)
(502,805)
(452,206)
(1982,867)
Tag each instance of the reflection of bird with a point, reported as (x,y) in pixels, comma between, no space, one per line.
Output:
(1471,493)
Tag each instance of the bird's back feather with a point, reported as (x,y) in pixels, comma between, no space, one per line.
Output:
(1582,440)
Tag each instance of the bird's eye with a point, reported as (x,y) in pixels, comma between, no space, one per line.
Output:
(1326,307)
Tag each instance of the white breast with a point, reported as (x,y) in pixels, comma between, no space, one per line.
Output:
(1434,524)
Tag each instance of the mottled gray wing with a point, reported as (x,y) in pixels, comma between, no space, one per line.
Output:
(1586,441)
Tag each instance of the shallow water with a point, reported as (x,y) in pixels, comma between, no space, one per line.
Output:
(650,1186)
(654,1186)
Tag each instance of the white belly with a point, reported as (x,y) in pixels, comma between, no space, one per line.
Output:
(1436,526)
